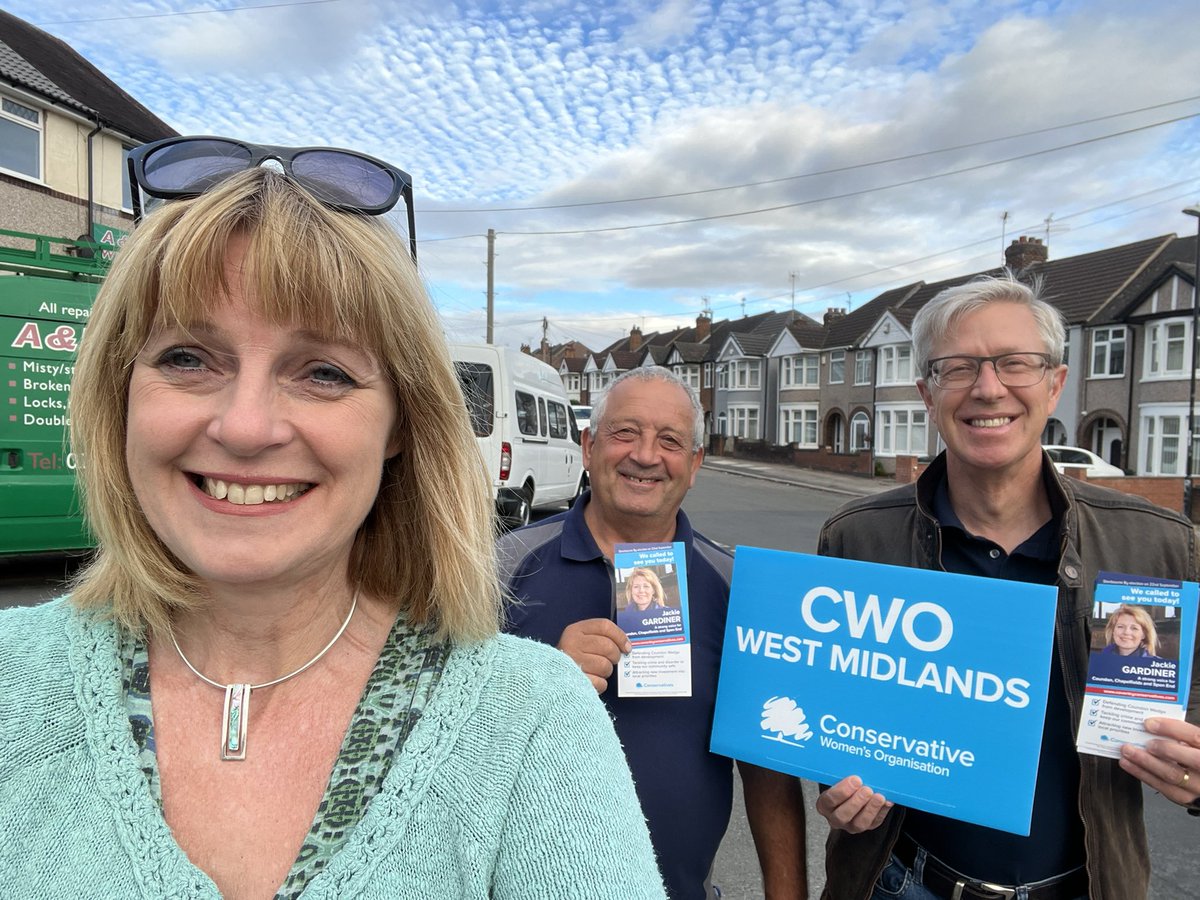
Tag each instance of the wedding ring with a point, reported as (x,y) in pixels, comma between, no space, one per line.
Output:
(1182,782)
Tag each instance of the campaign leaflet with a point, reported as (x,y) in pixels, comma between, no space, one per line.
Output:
(651,607)
(931,686)
(1140,665)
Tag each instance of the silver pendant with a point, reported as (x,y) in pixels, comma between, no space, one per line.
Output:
(235,722)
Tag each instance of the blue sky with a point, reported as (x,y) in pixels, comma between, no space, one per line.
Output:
(833,148)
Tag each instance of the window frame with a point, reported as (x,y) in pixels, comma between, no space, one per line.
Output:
(862,367)
(1105,341)
(837,363)
(891,357)
(807,416)
(1159,346)
(39,130)
(888,425)
(742,414)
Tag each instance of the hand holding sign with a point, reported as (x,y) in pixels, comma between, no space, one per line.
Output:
(596,645)
(852,806)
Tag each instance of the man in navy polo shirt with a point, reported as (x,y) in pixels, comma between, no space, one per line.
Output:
(642,453)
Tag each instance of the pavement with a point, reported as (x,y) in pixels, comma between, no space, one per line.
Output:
(816,479)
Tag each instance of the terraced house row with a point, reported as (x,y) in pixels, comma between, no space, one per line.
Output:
(841,393)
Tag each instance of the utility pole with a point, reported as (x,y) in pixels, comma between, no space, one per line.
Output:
(491,284)
(1188,480)
(1003,235)
(792,275)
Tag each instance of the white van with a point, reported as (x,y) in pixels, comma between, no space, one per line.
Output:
(525,429)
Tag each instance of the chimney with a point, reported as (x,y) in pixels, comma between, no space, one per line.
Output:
(1024,252)
(635,338)
(544,351)
(527,350)
(703,327)
(833,314)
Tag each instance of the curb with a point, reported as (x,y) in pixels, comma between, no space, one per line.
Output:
(774,479)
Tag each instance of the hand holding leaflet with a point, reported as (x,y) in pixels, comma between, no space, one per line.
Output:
(1137,669)
(652,612)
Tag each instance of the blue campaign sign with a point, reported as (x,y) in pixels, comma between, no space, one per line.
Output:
(930,686)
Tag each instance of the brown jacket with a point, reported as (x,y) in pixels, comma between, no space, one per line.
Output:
(1101,530)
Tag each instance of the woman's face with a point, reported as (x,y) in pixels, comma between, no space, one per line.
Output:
(1128,635)
(641,591)
(255,450)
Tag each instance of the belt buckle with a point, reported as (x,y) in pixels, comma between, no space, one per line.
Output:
(1004,893)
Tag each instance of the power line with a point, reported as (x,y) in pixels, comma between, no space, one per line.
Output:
(195,12)
(927,257)
(833,171)
(908,182)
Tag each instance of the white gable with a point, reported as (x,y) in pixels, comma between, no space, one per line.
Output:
(887,330)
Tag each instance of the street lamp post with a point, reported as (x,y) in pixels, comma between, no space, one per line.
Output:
(1191,447)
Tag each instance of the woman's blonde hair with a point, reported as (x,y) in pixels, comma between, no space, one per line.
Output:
(660,596)
(428,542)
(1149,632)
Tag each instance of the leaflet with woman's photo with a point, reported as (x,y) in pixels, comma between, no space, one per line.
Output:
(1143,630)
(651,607)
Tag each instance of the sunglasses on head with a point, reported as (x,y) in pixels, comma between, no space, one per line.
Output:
(181,167)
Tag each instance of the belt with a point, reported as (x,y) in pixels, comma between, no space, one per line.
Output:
(951,884)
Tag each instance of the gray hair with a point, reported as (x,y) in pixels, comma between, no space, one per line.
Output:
(937,317)
(655,373)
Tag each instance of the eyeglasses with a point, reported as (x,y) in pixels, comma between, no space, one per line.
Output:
(955,373)
(181,167)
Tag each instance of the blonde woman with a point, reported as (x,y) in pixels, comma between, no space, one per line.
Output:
(281,676)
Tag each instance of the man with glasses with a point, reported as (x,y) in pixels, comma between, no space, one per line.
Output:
(990,353)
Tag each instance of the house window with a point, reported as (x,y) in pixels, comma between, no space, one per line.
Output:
(1108,352)
(895,363)
(900,430)
(744,374)
(837,367)
(690,374)
(723,378)
(744,422)
(1164,445)
(862,367)
(798,425)
(20,138)
(708,367)
(1166,346)
(860,432)
(802,370)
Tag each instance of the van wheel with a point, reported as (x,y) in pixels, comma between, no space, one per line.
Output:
(524,510)
(583,486)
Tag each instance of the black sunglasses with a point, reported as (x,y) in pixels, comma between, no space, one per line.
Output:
(181,167)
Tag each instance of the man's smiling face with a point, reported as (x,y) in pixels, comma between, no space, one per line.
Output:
(639,458)
(988,427)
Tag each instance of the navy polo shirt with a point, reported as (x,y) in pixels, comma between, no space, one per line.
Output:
(1055,843)
(558,576)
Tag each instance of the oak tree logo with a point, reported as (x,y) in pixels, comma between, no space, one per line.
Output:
(786,720)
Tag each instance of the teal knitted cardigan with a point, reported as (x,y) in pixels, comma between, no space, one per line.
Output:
(512,785)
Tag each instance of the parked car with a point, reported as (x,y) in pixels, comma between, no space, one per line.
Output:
(583,416)
(1075,456)
(526,434)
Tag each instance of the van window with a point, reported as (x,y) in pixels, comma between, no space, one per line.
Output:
(542,415)
(477,386)
(527,414)
(558,420)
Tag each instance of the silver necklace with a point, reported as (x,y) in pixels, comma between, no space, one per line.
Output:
(235,721)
